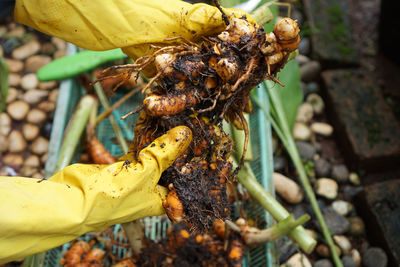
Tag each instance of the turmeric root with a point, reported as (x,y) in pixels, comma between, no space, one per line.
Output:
(75,254)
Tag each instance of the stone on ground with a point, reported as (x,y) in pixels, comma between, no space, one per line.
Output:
(316,102)
(12,95)
(16,142)
(342,207)
(14,79)
(332,40)
(347,261)
(18,110)
(310,71)
(36,116)
(30,131)
(287,188)
(13,159)
(336,223)
(343,243)
(14,65)
(322,167)
(340,173)
(380,203)
(306,150)
(354,178)
(34,63)
(29,81)
(26,50)
(327,188)
(301,132)
(298,260)
(5,124)
(374,257)
(357,226)
(304,113)
(356,256)
(323,263)
(364,123)
(40,146)
(322,128)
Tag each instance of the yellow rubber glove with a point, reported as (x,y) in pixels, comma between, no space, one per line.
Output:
(128,24)
(83,198)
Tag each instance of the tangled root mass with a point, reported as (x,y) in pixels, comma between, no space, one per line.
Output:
(199,85)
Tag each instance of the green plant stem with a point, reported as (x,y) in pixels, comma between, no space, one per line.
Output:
(74,131)
(117,130)
(36,260)
(3,84)
(247,178)
(293,54)
(75,128)
(109,110)
(239,137)
(295,156)
(274,232)
(263,13)
(270,118)
(92,119)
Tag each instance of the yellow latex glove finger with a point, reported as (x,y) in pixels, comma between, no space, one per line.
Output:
(84,198)
(127,24)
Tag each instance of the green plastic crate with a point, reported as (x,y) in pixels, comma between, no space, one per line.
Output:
(155,227)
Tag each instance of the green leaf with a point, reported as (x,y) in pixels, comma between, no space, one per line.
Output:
(229,3)
(36,260)
(3,84)
(274,10)
(291,94)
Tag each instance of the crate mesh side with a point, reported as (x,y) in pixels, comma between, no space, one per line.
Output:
(105,132)
(262,168)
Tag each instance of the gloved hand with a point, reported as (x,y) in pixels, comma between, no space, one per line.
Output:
(83,198)
(128,24)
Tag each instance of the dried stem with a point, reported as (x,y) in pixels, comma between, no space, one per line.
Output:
(135,233)
(117,130)
(117,104)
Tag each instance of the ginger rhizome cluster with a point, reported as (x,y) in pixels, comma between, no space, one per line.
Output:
(199,85)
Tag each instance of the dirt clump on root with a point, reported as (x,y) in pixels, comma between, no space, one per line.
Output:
(181,248)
